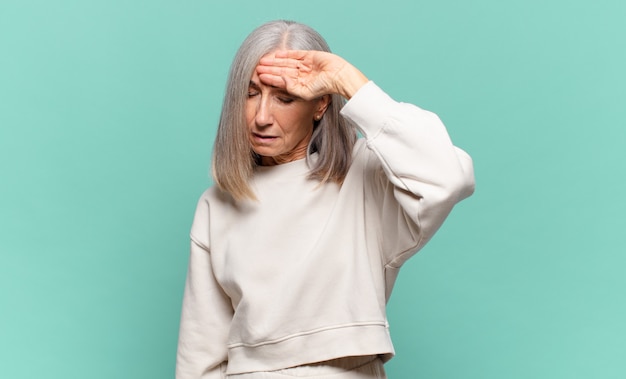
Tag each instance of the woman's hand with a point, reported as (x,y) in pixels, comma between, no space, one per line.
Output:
(310,74)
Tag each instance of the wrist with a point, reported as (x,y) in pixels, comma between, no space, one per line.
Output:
(351,81)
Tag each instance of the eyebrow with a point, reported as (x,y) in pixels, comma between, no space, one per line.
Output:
(253,84)
(282,91)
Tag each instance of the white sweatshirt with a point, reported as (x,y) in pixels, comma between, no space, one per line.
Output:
(303,274)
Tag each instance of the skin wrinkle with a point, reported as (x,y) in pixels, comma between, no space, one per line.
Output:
(280,124)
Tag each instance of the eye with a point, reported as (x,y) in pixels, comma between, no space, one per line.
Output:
(285,99)
(252,92)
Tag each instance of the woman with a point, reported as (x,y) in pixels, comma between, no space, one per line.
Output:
(296,249)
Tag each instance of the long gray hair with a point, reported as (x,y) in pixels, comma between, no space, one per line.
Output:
(233,158)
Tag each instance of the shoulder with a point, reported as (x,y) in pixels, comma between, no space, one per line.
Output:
(214,195)
(211,198)
(212,201)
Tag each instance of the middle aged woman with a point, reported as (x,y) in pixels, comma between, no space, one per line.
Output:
(295,251)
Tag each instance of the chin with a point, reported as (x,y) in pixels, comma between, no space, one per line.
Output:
(265,152)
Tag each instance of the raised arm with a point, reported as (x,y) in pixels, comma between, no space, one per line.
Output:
(418,174)
(424,173)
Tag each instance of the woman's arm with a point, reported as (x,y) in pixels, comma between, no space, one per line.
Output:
(206,314)
(424,173)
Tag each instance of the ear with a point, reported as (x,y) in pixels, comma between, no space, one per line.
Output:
(322,104)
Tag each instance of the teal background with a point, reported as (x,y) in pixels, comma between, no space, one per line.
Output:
(107,115)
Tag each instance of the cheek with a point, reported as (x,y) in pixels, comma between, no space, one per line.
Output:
(301,118)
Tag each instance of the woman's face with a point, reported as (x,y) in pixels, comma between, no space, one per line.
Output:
(280,125)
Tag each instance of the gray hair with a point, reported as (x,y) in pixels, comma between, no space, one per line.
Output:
(233,158)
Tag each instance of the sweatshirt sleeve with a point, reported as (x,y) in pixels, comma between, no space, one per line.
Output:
(206,312)
(423,174)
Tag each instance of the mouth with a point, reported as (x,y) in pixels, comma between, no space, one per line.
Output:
(263,138)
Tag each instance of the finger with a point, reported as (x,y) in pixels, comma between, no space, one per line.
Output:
(298,71)
(278,71)
(280,62)
(273,80)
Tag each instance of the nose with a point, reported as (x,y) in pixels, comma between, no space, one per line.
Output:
(264,116)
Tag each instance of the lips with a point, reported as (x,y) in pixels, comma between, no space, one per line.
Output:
(263,138)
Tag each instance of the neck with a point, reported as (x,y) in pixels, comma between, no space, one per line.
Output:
(294,155)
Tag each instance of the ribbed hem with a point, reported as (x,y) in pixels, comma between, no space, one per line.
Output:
(342,341)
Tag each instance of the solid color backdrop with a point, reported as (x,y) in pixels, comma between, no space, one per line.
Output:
(107,115)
